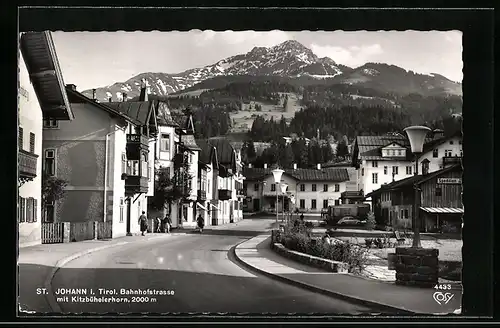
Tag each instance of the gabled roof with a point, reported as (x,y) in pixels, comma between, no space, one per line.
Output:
(189,142)
(436,142)
(164,116)
(138,111)
(328,174)
(415,179)
(208,153)
(225,152)
(41,61)
(184,122)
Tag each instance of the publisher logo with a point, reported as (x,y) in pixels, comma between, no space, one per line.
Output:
(442,298)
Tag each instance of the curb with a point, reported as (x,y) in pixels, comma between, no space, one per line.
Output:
(379,306)
(62,262)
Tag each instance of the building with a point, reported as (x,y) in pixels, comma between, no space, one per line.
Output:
(383,159)
(41,96)
(208,183)
(352,183)
(312,189)
(187,152)
(230,181)
(440,200)
(164,156)
(440,153)
(106,156)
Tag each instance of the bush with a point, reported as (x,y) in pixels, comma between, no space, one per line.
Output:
(368,242)
(346,252)
(370,221)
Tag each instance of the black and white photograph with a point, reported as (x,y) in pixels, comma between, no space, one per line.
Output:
(246,172)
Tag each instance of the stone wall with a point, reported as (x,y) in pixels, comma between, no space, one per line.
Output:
(417,266)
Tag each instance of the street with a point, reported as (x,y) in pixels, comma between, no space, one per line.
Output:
(196,268)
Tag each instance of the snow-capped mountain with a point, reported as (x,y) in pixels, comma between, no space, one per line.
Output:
(289,58)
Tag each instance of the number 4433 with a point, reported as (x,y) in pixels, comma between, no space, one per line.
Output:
(443,286)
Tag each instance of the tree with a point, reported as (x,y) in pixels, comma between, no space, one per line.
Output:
(53,189)
(342,149)
(370,221)
(250,150)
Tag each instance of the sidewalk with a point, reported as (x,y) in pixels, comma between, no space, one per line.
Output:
(256,254)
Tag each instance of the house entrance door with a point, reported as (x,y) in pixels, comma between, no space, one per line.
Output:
(256,205)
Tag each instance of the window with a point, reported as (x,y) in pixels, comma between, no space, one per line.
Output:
(374,164)
(447,153)
(124,163)
(50,124)
(133,167)
(32,142)
(425,167)
(313,187)
(20,139)
(451,142)
(337,202)
(439,191)
(302,203)
(395,170)
(49,212)
(374,178)
(435,153)
(325,203)
(144,165)
(400,152)
(121,209)
(385,169)
(302,187)
(325,187)
(337,187)
(406,214)
(165,142)
(256,187)
(273,187)
(313,204)
(459,142)
(30,209)
(408,170)
(50,162)
(362,171)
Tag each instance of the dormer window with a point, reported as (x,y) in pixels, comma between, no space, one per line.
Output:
(435,153)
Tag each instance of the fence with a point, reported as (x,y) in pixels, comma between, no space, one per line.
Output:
(105,230)
(52,233)
(82,231)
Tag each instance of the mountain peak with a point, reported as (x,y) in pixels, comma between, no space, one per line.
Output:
(290,45)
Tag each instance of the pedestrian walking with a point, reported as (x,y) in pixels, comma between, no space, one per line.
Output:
(201,222)
(167,222)
(143,222)
(158,224)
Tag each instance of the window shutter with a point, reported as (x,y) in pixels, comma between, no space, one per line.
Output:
(21,209)
(35,209)
(28,210)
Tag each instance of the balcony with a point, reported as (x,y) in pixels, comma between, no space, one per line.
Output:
(240,193)
(135,184)
(27,165)
(224,194)
(449,160)
(135,144)
(202,195)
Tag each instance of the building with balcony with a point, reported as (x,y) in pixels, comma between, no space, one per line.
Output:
(312,189)
(208,185)
(439,204)
(384,159)
(187,154)
(41,96)
(106,155)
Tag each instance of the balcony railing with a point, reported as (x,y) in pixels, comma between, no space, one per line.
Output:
(136,185)
(202,195)
(27,165)
(449,160)
(224,194)
(136,143)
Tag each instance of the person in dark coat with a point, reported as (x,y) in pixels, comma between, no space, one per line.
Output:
(143,222)
(201,222)
(167,223)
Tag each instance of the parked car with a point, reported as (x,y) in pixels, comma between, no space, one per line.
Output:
(349,220)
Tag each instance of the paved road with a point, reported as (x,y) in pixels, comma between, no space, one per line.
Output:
(198,269)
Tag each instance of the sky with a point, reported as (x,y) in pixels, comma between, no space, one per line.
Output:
(97,59)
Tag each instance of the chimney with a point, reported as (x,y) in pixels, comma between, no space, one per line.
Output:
(94,94)
(71,86)
(124,96)
(249,165)
(294,166)
(265,165)
(318,166)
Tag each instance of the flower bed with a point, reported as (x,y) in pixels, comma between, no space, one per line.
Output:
(297,237)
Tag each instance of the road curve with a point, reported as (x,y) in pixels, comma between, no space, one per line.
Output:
(198,269)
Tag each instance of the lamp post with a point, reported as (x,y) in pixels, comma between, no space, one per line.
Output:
(284,187)
(416,136)
(277,173)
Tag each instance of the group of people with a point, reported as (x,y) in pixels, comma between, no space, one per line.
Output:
(165,224)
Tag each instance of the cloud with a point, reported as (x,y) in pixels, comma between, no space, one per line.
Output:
(252,38)
(351,56)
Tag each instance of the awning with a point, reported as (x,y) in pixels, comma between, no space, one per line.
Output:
(443,210)
(201,206)
(214,206)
